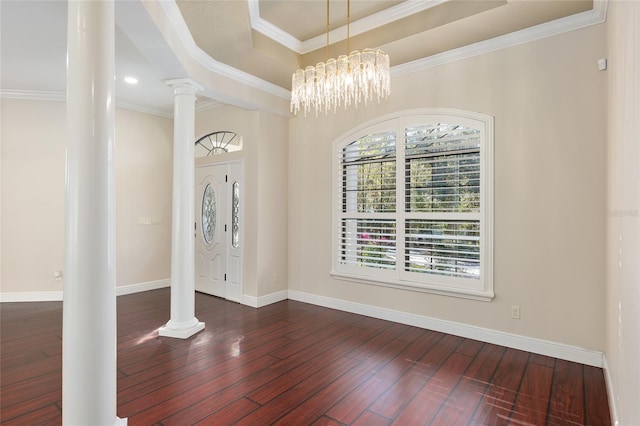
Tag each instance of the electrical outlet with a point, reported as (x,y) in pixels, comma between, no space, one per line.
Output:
(515,311)
(57,275)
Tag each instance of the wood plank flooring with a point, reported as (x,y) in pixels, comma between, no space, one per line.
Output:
(292,363)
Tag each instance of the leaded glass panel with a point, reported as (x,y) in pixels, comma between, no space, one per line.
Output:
(208,214)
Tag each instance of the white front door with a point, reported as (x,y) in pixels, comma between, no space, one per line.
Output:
(211,223)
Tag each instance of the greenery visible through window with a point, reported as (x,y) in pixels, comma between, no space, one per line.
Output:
(411,204)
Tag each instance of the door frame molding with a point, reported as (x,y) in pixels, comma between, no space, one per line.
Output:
(235,172)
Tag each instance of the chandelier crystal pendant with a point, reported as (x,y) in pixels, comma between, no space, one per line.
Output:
(351,79)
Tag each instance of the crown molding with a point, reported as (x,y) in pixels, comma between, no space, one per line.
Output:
(40,95)
(371,22)
(268,29)
(595,16)
(171,10)
(33,95)
(146,110)
(207,104)
(376,20)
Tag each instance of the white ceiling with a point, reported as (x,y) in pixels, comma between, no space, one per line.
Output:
(33,49)
(267,39)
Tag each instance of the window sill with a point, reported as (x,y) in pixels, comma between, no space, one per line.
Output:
(484,296)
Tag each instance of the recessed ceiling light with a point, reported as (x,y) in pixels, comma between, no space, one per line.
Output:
(131,80)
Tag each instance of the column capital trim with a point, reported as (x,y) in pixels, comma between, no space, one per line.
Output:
(179,83)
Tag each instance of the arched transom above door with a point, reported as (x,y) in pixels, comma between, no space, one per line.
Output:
(218,143)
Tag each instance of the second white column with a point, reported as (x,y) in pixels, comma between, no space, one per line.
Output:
(183,322)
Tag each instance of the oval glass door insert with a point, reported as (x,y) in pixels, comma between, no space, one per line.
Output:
(208,214)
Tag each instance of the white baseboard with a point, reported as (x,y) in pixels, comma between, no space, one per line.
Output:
(56,296)
(31,296)
(140,287)
(529,344)
(613,402)
(258,302)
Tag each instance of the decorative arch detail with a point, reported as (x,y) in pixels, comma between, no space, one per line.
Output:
(217,143)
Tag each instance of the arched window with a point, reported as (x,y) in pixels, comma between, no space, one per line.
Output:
(413,203)
(218,143)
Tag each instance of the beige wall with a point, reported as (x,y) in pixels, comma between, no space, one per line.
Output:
(33,163)
(264,155)
(273,204)
(143,170)
(547,98)
(623,209)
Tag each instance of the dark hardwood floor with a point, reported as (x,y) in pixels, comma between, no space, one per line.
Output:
(292,363)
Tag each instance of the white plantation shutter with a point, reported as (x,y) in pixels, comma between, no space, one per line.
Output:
(369,174)
(442,175)
(367,236)
(442,166)
(414,204)
(368,243)
(443,247)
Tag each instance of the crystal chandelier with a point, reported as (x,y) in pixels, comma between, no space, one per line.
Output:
(341,82)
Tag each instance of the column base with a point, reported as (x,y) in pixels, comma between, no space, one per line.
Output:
(181,332)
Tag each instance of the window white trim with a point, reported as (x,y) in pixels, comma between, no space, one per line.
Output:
(478,289)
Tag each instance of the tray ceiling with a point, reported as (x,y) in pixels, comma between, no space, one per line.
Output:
(272,38)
